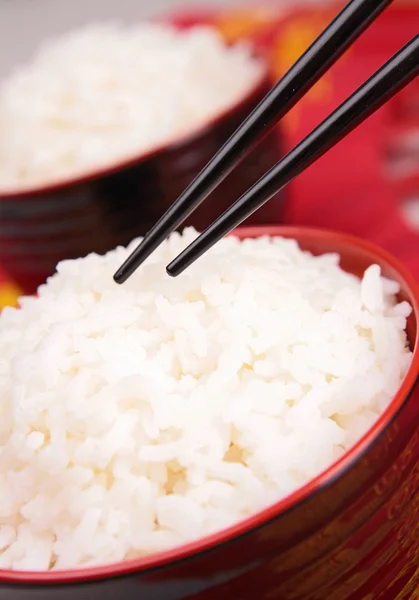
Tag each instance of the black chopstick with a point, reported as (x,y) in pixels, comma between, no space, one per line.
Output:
(318,58)
(385,83)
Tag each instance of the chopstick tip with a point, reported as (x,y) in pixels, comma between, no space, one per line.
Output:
(120,276)
(172,271)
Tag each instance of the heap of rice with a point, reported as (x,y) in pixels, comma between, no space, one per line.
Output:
(108,92)
(137,417)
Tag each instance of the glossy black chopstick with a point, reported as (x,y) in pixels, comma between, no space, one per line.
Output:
(318,58)
(385,83)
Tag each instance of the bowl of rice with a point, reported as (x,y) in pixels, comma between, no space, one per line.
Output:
(247,430)
(106,125)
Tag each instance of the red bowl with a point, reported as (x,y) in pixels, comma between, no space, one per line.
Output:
(349,534)
(109,207)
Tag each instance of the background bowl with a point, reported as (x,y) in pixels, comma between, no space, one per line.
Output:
(350,534)
(101,210)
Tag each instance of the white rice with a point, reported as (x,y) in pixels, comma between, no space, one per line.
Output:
(138,417)
(108,92)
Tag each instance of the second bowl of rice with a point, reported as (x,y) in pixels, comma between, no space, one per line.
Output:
(106,126)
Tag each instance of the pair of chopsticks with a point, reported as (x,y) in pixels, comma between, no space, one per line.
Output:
(318,58)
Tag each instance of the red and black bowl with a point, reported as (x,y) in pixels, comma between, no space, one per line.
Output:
(352,533)
(109,207)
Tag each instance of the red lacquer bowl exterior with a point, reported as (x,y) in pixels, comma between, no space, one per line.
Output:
(350,534)
(106,208)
